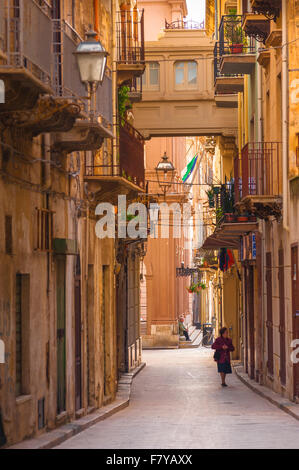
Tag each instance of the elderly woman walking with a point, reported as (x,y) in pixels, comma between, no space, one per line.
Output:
(223,346)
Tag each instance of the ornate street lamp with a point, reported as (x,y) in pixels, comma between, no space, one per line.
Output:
(165,172)
(91,59)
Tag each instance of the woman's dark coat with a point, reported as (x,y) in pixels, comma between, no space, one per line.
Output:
(224,353)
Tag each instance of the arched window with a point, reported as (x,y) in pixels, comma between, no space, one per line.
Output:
(185,74)
(151,76)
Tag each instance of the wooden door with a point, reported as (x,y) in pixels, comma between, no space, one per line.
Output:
(295,312)
(78,346)
(61,340)
(269,322)
(282,372)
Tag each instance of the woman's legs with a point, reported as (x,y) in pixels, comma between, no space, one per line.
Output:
(222,375)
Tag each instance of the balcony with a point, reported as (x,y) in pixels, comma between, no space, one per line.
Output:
(130,45)
(231,224)
(256,26)
(94,121)
(225,84)
(25,52)
(135,90)
(270,8)
(258,179)
(237,51)
(44,92)
(107,178)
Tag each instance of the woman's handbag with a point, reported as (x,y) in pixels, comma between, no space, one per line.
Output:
(217,355)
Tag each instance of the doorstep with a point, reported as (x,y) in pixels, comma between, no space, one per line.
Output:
(283,403)
(57,436)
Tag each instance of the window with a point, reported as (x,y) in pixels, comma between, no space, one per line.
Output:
(22,326)
(151,76)
(44,229)
(8,234)
(185,74)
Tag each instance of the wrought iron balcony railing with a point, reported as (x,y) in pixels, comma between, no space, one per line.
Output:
(130,37)
(258,172)
(135,89)
(232,38)
(218,54)
(185,24)
(130,159)
(26,37)
(66,78)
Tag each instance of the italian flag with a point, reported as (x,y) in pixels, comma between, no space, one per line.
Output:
(189,169)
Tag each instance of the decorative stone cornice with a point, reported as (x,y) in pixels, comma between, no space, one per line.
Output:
(49,115)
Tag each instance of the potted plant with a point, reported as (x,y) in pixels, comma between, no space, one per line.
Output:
(216,190)
(242,218)
(195,288)
(211,199)
(236,46)
(123,103)
(219,214)
(229,218)
(235,35)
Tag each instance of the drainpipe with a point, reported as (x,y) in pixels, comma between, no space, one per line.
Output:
(96,17)
(260,138)
(47,166)
(114,85)
(259,104)
(285,86)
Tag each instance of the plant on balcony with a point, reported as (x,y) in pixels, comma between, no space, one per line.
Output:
(195,288)
(235,36)
(124,103)
(227,198)
(211,198)
(242,218)
(219,215)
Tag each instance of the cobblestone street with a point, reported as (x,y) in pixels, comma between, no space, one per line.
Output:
(177,402)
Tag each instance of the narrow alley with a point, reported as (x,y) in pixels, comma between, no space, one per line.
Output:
(177,402)
(149,224)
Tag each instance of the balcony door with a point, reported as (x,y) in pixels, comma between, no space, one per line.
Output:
(295,312)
